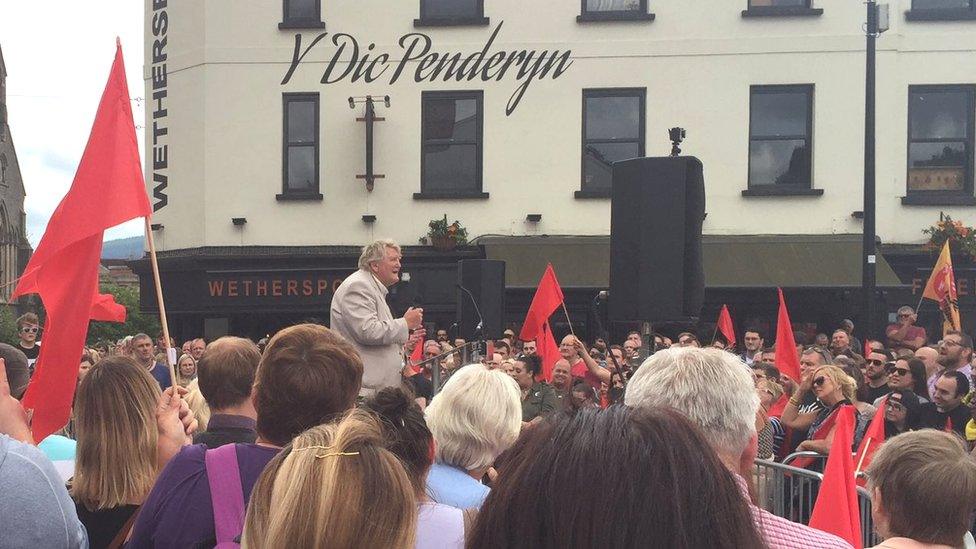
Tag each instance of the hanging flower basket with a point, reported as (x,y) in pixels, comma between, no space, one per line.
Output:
(446,236)
(962,239)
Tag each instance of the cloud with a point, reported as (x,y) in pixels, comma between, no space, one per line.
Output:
(57,69)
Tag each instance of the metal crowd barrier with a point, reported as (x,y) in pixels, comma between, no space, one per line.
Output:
(790,492)
(469,352)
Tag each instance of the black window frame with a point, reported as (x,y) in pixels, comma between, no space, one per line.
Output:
(948,197)
(588,93)
(776,189)
(621,15)
(479,97)
(941,14)
(301,23)
(476,20)
(807,10)
(316,192)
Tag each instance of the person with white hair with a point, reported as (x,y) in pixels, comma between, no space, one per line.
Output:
(360,314)
(715,391)
(476,416)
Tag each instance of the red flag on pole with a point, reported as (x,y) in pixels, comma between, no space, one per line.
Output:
(107,190)
(548,350)
(836,510)
(548,296)
(786,358)
(725,326)
(874,437)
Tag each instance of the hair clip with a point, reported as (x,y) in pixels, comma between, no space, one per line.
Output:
(329,454)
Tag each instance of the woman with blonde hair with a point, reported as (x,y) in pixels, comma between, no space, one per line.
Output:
(834,389)
(186,370)
(335,485)
(476,416)
(127,431)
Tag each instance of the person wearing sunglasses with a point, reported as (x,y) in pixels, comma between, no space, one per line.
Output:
(28,326)
(834,389)
(904,334)
(876,374)
(908,374)
(902,412)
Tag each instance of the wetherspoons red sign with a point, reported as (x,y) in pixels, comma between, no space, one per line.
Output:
(351,62)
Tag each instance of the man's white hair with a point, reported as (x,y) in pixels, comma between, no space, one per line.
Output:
(711,387)
(476,416)
(376,251)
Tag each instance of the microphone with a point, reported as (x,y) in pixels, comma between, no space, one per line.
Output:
(478,329)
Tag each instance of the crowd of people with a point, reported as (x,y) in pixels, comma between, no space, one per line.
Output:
(308,441)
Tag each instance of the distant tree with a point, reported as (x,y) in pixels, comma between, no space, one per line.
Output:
(8,324)
(135,321)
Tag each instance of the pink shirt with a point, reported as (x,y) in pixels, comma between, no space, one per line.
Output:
(780,533)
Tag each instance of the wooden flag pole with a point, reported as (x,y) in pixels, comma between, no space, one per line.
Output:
(159,301)
(570,322)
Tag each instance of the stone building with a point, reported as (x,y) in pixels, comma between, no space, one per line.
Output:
(14,247)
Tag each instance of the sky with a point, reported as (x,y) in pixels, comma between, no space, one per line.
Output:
(58,54)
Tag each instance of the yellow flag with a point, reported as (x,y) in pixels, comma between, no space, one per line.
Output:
(941,287)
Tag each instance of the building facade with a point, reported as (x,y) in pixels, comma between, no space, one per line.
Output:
(506,116)
(15,250)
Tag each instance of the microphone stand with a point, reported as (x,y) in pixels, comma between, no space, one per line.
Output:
(478,335)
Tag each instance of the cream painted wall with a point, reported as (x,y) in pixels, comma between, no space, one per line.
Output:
(697,61)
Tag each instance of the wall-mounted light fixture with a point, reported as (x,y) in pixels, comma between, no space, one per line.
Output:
(238,221)
(156,226)
(369,218)
(533,218)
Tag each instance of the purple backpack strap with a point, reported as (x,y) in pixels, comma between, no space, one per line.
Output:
(226,494)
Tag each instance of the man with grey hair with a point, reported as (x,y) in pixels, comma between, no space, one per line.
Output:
(714,390)
(904,334)
(360,314)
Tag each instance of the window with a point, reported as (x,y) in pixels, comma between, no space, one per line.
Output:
(940,143)
(613,129)
(941,10)
(451,145)
(3,169)
(780,140)
(435,13)
(300,157)
(780,8)
(614,10)
(301,14)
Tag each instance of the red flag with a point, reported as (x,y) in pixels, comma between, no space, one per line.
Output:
(548,296)
(874,437)
(548,350)
(107,190)
(417,356)
(786,358)
(725,325)
(836,510)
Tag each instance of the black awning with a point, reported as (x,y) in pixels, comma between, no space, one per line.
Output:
(750,261)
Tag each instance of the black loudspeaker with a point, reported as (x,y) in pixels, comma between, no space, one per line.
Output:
(656,213)
(485,279)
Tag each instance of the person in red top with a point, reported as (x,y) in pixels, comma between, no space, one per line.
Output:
(904,334)
(582,365)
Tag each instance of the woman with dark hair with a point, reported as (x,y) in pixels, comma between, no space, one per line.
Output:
(667,460)
(538,398)
(902,412)
(408,438)
(908,374)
